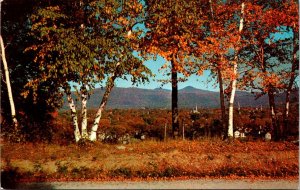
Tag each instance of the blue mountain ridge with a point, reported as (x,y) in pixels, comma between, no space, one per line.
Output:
(188,97)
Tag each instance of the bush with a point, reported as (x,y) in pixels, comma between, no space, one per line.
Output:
(121,172)
(61,169)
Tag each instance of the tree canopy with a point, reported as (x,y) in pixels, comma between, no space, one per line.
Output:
(54,47)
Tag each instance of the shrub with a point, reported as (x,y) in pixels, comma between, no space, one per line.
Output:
(81,172)
(62,169)
(121,172)
(171,172)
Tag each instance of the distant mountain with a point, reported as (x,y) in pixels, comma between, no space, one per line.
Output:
(188,97)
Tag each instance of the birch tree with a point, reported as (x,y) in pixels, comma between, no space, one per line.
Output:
(33,114)
(84,44)
(234,78)
(265,56)
(292,23)
(8,84)
(221,38)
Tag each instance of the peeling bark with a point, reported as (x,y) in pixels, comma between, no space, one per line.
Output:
(9,90)
(74,117)
(84,133)
(109,86)
(233,84)
(231,102)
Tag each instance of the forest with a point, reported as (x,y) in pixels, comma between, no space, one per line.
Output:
(63,50)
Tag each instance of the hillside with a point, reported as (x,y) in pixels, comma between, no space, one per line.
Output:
(161,98)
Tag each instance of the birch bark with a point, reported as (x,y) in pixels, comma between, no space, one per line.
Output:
(110,85)
(9,90)
(74,117)
(233,84)
(84,133)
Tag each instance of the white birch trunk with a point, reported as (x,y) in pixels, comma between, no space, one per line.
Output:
(93,134)
(109,86)
(84,133)
(273,115)
(74,117)
(7,79)
(233,84)
(231,102)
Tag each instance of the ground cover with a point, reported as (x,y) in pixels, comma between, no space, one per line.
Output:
(211,158)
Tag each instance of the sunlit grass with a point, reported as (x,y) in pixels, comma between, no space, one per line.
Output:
(174,158)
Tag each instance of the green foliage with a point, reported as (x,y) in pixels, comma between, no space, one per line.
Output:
(52,45)
(32,111)
(86,43)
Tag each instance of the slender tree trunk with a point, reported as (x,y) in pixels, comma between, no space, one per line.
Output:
(220,80)
(183,135)
(9,91)
(211,10)
(175,123)
(74,117)
(84,133)
(273,114)
(271,98)
(222,102)
(290,85)
(231,103)
(109,86)
(165,133)
(233,84)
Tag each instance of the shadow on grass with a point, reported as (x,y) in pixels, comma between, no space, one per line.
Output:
(40,185)
(9,180)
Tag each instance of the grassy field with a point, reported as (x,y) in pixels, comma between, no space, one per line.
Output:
(148,160)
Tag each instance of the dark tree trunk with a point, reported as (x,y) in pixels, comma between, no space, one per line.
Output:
(272,107)
(175,123)
(222,104)
(276,128)
(290,85)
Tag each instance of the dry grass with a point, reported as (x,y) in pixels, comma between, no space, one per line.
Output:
(150,159)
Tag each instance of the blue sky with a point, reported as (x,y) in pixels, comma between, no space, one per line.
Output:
(199,82)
